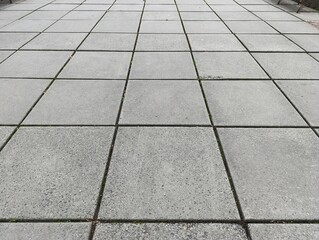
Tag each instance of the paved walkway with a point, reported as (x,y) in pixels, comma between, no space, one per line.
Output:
(186,119)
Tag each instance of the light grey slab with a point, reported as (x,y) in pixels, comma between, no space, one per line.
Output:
(205,27)
(274,171)
(84,15)
(117,26)
(316,56)
(93,7)
(249,103)
(284,231)
(161,27)
(237,16)
(179,231)
(167,173)
(162,42)
(276,16)
(162,65)
(227,8)
(27,26)
(294,27)
(17,97)
(4,55)
(124,16)
(59,7)
(164,102)
(160,7)
(305,96)
(110,65)
(268,43)
(24,7)
(78,102)
(250,27)
(215,42)
(4,134)
(109,41)
(53,172)
(194,8)
(72,26)
(49,231)
(308,42)
(12,41)
(45,15)
(289,65)
(223,65)
(161,16)
(197,16)
(12,15)
(37,64)
(56,41)
(127,7)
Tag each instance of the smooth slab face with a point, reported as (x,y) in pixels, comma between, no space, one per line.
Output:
(316,56)
(45,15)
(309,42)
(274,171)
(167,173)
(276,16)
(162,42)
(305,96)
(17,98)
(164,102)
(284,231)
(161,16)
(53,172)
(4,55)
(268,43)
(237,16)
(162,65)
(215,42)
(5,133)
(56,41)
(103,65)
(12,41)
(197,16)
(117,26)
(77,15)
(289,65)
(252,103)
(109,42)
(224,65)
(40,231)
(250,27)
(179,231)
(78,102)
(27,25)
(294,27)
(72,26)
(205,27)
(161,27)
(35,64)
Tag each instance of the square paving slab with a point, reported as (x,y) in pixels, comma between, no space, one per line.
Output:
(167,173)
(205,27)
(309,42)
(4,55)
(4,134)
(164,102)
(162,42)
(13,41)
(161,27)
(250,27)
(275,171)
(56,172)
(78,102)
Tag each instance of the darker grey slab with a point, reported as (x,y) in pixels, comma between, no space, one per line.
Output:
(164,102)
(249,103)
(167,173)
(284,231)
(48,231)
(17,97)
(78,102)
(109,65)
(162,42)
(5,133)
(12,41)
(274,171)
(289,65)
(305,96)
(37,64)
(53,172)
(163,65)
(223,65)
(179,231)
(205,27)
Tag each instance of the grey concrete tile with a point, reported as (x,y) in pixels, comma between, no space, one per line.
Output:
(315,55)
(224,65)
(56,172)
(164,102)
(160,7)
(262,8)
(131,7)
(5,22)
(284,231)
(162,42)
(276,16)
(249,103)
(274,171)
(117,26)
(228,8)
(205,27)
(83,15)
(12,41)
(215,42)
(308,42)
(237,16)
(58,7)
(268,43)
(198,16)
(27,26)
(17,97)
(45,15)
(34,64)
(122,16)
(161,16)
(250,27)
(48,231)
(178,231)
(72,26)
(56,41)
(78,102)
(305,96)
(194,8)
(294,27)
(163,65)
(24,7)
(13,15)
(161,27)
(93,7)
(106,65)
(183,165)
(289,65)
(109,41)
(4,135)
(4,55)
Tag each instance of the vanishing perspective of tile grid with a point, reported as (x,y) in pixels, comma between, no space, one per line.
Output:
(158,119)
